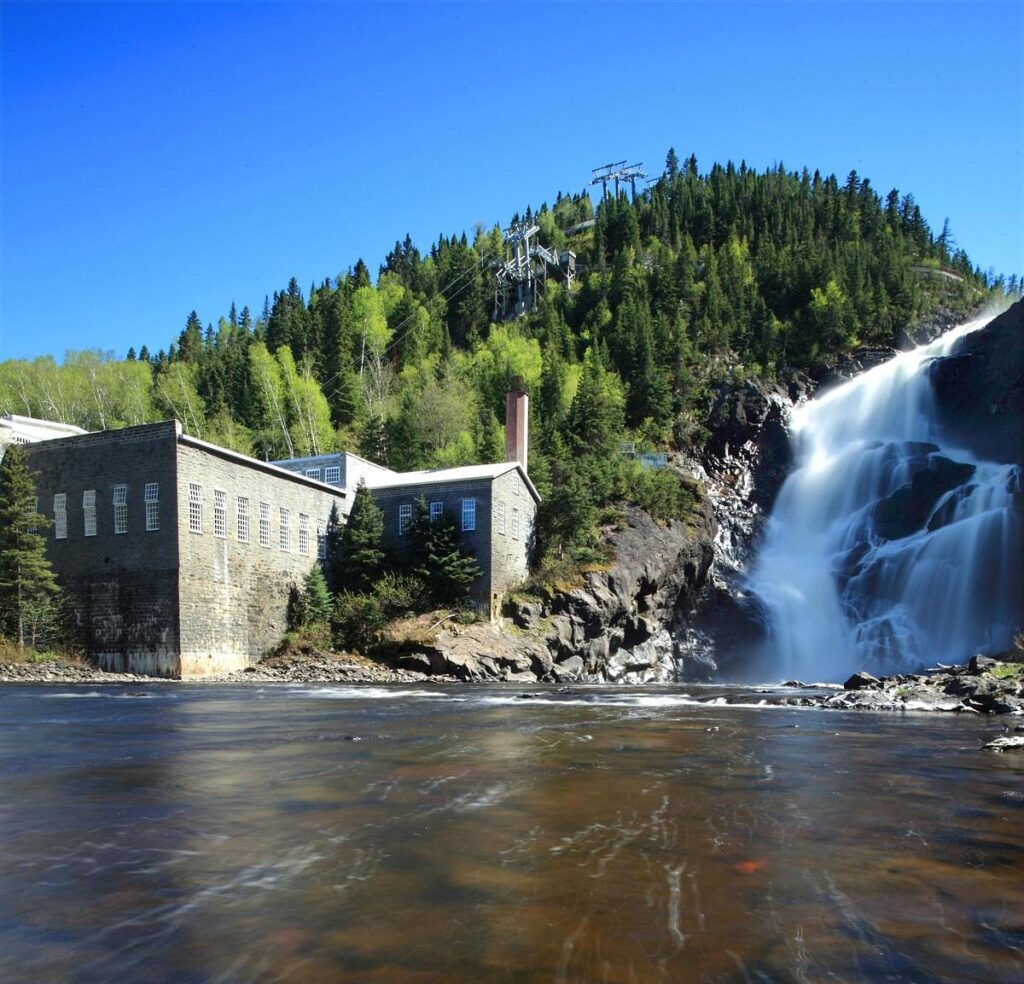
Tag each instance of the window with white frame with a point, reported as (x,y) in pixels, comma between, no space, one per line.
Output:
(89,511)
(286,530)
(436,511)
(332,476)
(468,514)
(120,508)
(264,524)
(242,519)
(220,513)
(517,485)
(152,498)
(404,518)
(321,540)
(499,517)
(303,534)
(313,473)
(195,508)
(60,516)
(515,523)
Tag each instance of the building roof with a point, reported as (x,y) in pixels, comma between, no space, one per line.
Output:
(36,429)
(329,456)
(466,473)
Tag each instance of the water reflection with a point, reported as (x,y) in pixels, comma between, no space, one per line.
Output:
(355,835)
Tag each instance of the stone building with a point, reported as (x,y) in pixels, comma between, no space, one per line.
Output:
(178,555)
(494,506)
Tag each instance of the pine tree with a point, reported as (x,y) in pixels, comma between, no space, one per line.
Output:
(361,544)
(333,558)
(438,558)
(28,586)
(316,599)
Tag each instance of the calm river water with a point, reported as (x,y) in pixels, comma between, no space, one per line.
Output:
(231,833)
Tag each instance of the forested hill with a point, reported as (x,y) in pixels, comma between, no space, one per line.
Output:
(727,272)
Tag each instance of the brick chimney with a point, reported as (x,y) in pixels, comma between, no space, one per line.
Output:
(517,410)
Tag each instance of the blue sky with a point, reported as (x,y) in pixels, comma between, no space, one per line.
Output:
(162,157)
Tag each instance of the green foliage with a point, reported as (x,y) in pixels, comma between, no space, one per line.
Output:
(362,553)
(659,492)
(29,609)
(358,621)
(438,559)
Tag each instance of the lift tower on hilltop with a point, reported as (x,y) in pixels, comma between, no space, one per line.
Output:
(618,172)
(519,280)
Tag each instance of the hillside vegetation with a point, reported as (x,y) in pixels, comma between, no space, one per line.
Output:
(730,271)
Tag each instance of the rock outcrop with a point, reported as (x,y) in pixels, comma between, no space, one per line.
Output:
(979,388)
(616,626)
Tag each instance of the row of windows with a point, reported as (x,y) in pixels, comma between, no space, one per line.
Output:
(119,501)
(242,513)
(436,512)
(332,475)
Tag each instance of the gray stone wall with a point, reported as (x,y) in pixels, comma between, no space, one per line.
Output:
(451,494)
(234,594)
(511,550)
(122,587)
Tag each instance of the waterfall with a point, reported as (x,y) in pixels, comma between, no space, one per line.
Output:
(888,549)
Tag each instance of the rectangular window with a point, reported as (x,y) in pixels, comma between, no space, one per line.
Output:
(332,476)
(89,511)
(286,530)
(517,485)
(303,534)
(120,508)
(264,524)
(321,541)
(499,517)
(152,498)
(60,516)
(436,511)
(469,514)
(404,518)
(195,508)
(220,513)
(515,523)
(313,473)
(242,519)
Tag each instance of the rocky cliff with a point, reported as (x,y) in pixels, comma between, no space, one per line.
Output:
(980,388)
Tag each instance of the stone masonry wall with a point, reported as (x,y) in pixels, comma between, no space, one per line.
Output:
(511,550)
(234,594)
(122,587)
(451,494)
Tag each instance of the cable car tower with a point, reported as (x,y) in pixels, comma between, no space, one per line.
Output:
(615,173)
(519,281)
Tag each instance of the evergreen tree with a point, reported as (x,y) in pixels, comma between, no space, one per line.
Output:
(438,558)
(333,551)
(28,586)
(316,599)
(361,543)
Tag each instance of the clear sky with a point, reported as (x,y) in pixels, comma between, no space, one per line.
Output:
(162,157)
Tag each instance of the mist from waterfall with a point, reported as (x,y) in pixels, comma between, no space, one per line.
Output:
(843,584)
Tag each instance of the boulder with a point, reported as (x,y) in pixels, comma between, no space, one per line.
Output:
(862,681)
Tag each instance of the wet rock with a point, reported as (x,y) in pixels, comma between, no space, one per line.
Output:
(979,388)
(907,510)
(1006,742)
(862,681)
(981,664)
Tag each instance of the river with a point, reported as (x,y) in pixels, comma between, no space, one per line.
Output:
(196,833)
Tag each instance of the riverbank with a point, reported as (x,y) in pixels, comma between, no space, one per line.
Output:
(981,686)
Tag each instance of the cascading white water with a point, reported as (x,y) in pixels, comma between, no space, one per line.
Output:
(849,576)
